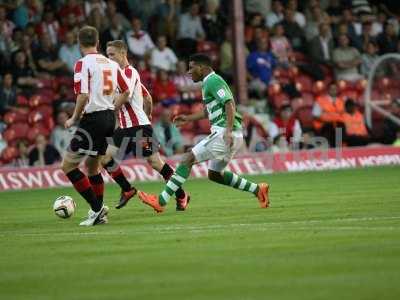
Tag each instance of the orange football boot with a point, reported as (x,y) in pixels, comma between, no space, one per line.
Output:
(151,200)
(262,195)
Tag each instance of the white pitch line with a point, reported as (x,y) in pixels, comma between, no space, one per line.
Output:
(265,226)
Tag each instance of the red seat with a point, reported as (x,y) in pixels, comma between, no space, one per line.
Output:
(308,98)
(16,131)
(304,83)
(15,117)
(22,101)
(35,131)
(350,93)
(197,107)
(40,99)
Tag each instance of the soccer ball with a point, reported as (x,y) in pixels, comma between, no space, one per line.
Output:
(64,207)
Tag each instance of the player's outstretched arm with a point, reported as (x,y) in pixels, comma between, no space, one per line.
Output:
(81,101)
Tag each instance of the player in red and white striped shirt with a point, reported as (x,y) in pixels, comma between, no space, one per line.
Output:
(135,133)
(96,80)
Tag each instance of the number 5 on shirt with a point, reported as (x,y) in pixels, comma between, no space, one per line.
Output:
(107,82)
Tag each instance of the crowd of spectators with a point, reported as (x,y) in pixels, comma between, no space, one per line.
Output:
(300,56)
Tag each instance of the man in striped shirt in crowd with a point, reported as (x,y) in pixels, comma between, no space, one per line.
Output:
(135,133)
(219,147)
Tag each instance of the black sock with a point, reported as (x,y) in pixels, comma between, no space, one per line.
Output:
(116,173)
(166,172)
(82,185)
(98,187)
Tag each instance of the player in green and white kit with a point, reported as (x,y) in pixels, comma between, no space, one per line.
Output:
(219,147)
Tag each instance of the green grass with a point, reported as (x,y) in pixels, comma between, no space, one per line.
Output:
(329,235)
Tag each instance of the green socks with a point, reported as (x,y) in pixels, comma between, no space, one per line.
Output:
(239,183)
(182,172)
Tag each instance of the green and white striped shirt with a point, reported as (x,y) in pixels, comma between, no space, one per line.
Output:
(216,93)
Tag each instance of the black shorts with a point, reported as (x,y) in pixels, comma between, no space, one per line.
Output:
(138,140)
(90,137)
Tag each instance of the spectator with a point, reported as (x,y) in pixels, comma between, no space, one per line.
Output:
(43,153)
(190,31)
(168,135)
(6,31)
(49,26)
(164,89)
(356,133)
(189,91)
(298,16)
(313,25)
(366,36)
(8,94)
(387,40)
(293,31)
(390,128)
(139,42)
(60,137)
(69,23)
(112,13)
(321,46)
(334,10)
(69,52)
(346,60)
(114,32)
(328,114)
(47,58)
(280,46)
(286,124)
(259,33)
(28,49)
(213,23)
(167,15)
(92,5)
(72,7)
(260,64)
(97,20)
(162,57)
(256,22)
(275,15)
(368,58)
(23,75)
(353,27)
(23,154)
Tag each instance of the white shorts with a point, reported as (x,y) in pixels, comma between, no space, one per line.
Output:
(214,149)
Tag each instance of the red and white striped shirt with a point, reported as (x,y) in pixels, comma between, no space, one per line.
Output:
(100,78)
(131,113)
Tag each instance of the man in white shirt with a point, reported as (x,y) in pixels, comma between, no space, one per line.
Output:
(139,42)
(162,57)
(275,15)
(96,80)
(135,133)
(69,52)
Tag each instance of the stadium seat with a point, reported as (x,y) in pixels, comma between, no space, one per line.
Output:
(197,107)
(35,131)
(304,84)
(15,116)
(22,100)
(41,99)
(15,131)
(206,46)
(308,98)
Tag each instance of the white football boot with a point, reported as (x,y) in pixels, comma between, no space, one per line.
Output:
(96,218)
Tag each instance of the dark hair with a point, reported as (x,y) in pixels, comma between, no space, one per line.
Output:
(350,103)
(119,44)
(201,59)
(88,36)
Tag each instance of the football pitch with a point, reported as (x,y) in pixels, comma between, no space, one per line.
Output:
(328,235)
